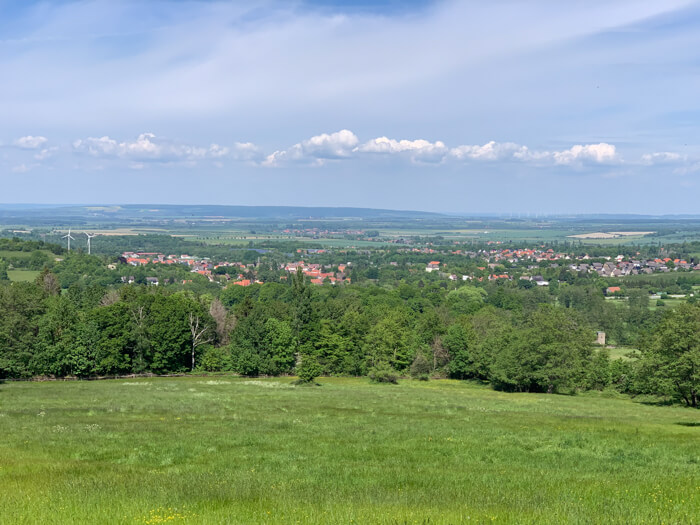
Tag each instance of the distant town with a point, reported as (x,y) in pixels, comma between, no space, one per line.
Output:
(523,264)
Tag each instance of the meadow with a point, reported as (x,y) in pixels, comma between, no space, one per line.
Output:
(22,275)
(224,449)
(11,254)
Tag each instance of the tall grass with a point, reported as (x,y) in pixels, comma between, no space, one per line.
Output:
(232,450)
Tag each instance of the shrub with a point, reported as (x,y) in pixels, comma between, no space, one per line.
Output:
(383,373)
(308,370)
(214,359)
(420,368)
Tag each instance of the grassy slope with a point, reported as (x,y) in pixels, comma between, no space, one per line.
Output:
(229,450)
(11,254)
(22,275)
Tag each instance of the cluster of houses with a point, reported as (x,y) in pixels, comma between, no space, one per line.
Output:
(434,266)
(241,274)
(317,273)
(527,254)
(144,258)
(202,266)
(619,267)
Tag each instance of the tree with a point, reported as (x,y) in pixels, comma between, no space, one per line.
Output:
(138,314)
(302,322)
(200,333)
(390,341)
(225,322)
(551,353)
(22,306)
(670,363)
(466,299)
(420,368)
(168,333)
(309,369)
(57,344)
(119,346)
(460,342)
(280,346)
(48,282)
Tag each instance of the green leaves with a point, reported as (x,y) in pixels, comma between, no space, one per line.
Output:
(670,362)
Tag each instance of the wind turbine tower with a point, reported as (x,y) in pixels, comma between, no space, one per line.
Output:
(69,237)
(88,239)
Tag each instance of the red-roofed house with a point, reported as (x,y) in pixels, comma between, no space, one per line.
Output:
(432,265)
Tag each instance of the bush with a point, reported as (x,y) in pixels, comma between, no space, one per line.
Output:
(308,370)
(420,368)
(214,359)
(660,302)
(622,375)
(383,373)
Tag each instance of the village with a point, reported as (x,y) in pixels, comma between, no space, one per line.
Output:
(504,264)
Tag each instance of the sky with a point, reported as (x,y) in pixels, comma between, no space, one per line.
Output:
(488,106)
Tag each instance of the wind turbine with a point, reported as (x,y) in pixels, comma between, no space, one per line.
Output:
(69,237)
(88,238)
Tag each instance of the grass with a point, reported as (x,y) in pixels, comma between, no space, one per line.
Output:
(621,302)
(230,450)
(10,254)
(22,275)
(624,353)
(668,303)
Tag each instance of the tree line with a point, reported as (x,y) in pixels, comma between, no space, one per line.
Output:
(515,339)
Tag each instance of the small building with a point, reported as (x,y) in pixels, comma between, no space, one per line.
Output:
(600,338)
(432,265)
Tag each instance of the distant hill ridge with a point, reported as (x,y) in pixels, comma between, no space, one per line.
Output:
(207,211)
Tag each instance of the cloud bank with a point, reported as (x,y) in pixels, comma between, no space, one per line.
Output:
(148,147)
(344,146)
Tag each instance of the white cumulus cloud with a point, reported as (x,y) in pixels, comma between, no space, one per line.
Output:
(247,151)
(663,157)
(602,153)
(419,149)
(148,147)
(30,142)
(317,149)
(345,145)
(491,151)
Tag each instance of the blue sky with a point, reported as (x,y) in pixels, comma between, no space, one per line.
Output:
(471,106)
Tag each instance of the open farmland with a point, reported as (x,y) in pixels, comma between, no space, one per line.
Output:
(231,450)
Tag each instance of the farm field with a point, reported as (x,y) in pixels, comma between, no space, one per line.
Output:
(326,242)
(223,449)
